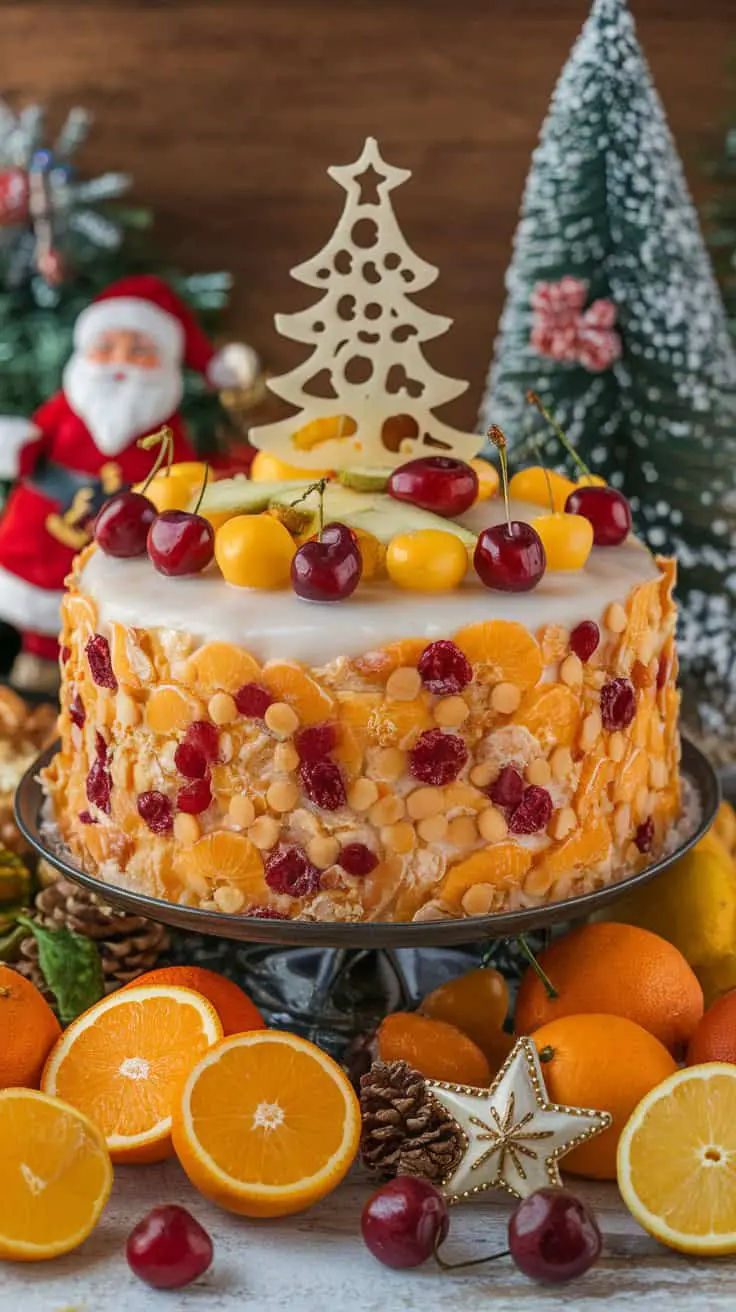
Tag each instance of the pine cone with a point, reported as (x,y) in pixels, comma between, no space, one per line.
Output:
(129,945)
(405,1132)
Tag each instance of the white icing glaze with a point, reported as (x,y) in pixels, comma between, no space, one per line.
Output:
(279,625)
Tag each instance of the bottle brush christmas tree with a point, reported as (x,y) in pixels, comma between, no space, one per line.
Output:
(613,316)
(63,239)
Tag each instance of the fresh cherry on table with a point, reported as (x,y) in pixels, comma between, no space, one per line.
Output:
(510,557)
(553,1236)
(168,1248)
(327,568)
(180,543)
(404,1221)
(438,483)
(122,524)
(608,511)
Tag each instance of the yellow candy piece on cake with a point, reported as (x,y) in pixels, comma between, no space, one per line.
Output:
(170,709)
(323,430)
(255,551)
(531,485)
(429,560)
(267,468)
(567,540)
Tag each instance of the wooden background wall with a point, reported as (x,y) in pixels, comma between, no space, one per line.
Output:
(229,113)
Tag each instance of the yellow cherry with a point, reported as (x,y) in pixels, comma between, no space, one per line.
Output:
(255,551)
(591,480)
(173,489)
(567,540)
(267,468)
(429,560)
(531,485)
(488,482)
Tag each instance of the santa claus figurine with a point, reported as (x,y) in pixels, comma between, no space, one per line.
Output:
(124,379)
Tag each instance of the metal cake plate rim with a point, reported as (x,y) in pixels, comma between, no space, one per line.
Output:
(29,802)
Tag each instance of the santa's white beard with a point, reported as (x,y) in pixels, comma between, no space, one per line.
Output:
(118,410)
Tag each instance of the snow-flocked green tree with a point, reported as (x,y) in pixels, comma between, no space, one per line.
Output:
(613,316)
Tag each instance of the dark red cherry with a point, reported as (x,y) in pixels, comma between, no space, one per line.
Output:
(553,1236)
(404,1222)
(330,569)
(608,511)
(438,483)
(122,524)
(168,1248)
(180,543)
(510,558)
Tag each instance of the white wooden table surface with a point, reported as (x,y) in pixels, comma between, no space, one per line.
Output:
(316,1262)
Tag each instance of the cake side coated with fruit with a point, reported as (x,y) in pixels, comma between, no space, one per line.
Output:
(400,755)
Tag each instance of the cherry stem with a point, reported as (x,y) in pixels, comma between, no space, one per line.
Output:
(474,1261)
(202,489)
(527,952)
(498,439)
(533,399)
(164,439)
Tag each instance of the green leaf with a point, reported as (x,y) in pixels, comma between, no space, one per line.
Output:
(71,966)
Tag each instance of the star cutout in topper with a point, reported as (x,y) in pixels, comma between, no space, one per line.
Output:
(513,1135)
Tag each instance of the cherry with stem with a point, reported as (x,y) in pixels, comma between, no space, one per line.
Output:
(509,557)
(181,541)
(123,523)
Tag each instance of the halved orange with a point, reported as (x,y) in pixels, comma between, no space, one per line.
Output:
(123,1062)
(267,1124)
(677,1160)
(56,1176)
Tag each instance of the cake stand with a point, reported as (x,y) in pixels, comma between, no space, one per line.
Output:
(331,981)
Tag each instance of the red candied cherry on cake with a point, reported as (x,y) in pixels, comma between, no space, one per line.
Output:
(404,1222)
(444,669)
(533,813)
(507,788)
(253,700)
(289,870)
(441,484)
(606,509)
(618,704)
(509,557)
(168,1248)
(77,713)
(122,524)
(437,758)
(584,639)
(156,810)
(357,859)
(203,738)
(316,741)
(644,836)
(327,568)
(195,797)
(323,783)
(100,664)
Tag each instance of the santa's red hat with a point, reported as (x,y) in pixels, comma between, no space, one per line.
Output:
(144,303)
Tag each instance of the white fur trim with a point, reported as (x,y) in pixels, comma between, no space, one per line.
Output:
(235,365)
(135,315)
(15,433)
(29,607)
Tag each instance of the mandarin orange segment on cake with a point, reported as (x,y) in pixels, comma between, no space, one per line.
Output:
(222,747)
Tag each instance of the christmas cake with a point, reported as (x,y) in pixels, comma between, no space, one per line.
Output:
(383,694)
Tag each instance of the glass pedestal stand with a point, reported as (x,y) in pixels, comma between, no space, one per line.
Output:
(333,981)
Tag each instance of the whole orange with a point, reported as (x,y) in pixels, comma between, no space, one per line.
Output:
(605,1063)
(476,1002)
(619,969)
(233,1006)
(434,1048)
(715,1037)
(28,1031)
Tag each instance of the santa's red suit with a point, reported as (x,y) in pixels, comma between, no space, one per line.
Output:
(63,461)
